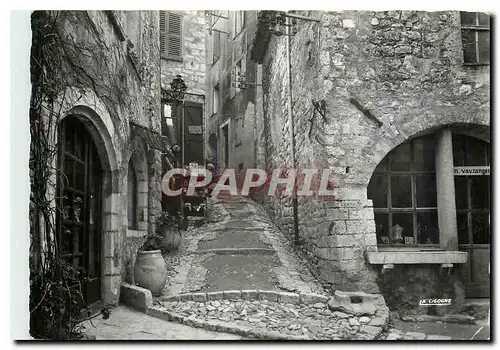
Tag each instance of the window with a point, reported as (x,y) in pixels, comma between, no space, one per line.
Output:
(403,190)
(475,37)
(171,35)
(237,78)
(132,197)
(167,113)
(216,98)
(472,193)
(216,46)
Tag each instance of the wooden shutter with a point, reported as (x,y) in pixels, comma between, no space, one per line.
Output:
(171,35)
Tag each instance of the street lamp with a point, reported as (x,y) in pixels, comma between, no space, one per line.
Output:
(177,91)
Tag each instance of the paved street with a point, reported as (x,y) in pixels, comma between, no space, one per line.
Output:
(125,323)
(242,250)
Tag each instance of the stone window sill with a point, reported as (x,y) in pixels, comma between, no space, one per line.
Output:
(416,257)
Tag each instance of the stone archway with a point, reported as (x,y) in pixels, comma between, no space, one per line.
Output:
(98,127)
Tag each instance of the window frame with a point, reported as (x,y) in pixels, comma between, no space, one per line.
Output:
(414,209)
(132,222)
(164,37)
(476,28)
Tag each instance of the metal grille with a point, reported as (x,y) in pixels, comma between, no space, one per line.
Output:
(154,139)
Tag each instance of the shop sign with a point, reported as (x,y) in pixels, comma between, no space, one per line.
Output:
(471,170)
(195,129)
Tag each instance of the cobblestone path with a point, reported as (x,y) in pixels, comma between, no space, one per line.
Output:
(243,250)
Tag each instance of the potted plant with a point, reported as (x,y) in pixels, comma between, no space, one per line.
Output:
(168,227)
(150,270)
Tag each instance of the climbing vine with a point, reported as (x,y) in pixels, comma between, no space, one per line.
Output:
(63,57)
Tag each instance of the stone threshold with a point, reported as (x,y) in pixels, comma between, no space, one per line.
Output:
(234,251)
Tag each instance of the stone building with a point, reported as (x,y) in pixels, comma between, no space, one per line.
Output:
(183,53)
(111,142)
(234,92)
(396,104)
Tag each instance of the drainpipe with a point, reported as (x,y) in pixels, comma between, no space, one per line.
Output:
(292,136)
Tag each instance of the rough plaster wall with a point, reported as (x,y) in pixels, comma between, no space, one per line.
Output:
(406,68)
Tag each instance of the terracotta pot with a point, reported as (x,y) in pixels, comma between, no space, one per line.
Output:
(150,271)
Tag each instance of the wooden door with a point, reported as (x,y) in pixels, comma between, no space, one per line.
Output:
(79,233)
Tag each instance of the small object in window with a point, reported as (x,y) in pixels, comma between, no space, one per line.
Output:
(397,234)
(385,239)
(409,240)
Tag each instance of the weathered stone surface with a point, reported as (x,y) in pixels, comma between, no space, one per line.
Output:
(199,297)
(249,294)
(438,337)
(215,296)
(291,298)
(268,295)
(373,331)
(364,320)
(232,294)
(312,298)
(414,336)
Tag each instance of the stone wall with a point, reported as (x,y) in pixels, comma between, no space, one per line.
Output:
(406,68)
(192,67)
(239,106)
(116,83)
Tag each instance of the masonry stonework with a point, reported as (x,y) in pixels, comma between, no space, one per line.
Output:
(406,68)
(121,85)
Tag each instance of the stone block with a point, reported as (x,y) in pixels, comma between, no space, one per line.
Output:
(312,298)
(372,331)
(268,295)
(199,297)
(232,294)
(185,297)
(414,336)
(357,303)
(135,296)
(438,337)
(170,298)
(249,294)
(380,321)
(215,296)
(288,298)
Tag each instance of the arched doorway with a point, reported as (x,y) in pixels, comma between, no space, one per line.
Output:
(404,191)
(79,189)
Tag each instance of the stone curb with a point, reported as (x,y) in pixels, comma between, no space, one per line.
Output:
(228,251)
(270,295)
(220,326)
(135,296)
